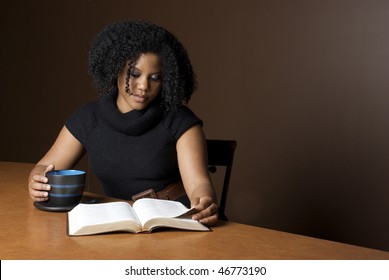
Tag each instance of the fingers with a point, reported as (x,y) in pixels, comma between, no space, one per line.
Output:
(39,178)
(200,203)
(50,167)
(209,221)
(39,191)
(208,211)
(38,188)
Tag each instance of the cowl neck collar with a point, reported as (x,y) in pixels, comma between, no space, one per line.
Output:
(133,123)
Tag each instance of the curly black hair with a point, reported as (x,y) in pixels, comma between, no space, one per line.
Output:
(125,41)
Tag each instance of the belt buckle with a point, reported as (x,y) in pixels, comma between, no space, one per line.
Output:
(150,193)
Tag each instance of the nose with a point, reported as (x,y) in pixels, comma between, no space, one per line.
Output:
(143,84)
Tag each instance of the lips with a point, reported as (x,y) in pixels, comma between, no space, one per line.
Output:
(139,98)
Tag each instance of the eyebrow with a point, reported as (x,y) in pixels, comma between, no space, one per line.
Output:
(135,68)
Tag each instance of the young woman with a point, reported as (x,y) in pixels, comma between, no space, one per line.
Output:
(139,135)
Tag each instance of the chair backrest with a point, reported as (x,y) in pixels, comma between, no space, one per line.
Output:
(221,153)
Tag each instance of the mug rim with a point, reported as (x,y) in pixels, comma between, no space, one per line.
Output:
(65,172)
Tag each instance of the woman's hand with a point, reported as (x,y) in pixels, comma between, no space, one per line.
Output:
(37,184)
(64,154)
(207,210)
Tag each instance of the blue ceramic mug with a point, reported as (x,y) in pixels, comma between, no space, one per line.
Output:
(67,188)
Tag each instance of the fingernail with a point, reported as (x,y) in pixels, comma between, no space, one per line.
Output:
(47,187)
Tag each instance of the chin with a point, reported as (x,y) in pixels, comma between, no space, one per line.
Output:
(139,106)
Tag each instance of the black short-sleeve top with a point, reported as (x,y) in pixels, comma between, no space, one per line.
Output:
(134,151)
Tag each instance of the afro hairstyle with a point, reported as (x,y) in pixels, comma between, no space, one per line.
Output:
(124,42)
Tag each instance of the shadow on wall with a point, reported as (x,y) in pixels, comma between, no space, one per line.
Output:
(332,200)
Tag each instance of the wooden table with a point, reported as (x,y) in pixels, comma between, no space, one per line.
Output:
(29,233)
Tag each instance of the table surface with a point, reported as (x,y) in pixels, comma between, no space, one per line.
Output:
(29,233)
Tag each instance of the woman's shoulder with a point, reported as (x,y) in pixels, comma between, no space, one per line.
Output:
(177,122)
(87,111)
(89,107)
(183,112)
(83,120)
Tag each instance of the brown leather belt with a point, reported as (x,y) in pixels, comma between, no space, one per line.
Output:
(170,192)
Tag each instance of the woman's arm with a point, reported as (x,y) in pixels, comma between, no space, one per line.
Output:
(193,164)
(64,154)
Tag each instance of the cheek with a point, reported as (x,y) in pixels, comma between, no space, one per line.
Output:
(156,89)
(121,82)
(123,86)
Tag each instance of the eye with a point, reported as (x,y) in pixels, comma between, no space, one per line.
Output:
(134,74)
(156,77)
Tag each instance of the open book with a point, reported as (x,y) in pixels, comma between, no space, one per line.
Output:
(145,214)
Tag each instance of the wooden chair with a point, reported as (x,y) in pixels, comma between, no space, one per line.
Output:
(221,153)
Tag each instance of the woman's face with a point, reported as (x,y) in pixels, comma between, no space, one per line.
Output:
(144,84)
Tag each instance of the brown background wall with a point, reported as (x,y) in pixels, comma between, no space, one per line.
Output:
(301,85)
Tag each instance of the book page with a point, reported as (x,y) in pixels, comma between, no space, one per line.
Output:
(86,215)
(185,223)
(149,208)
